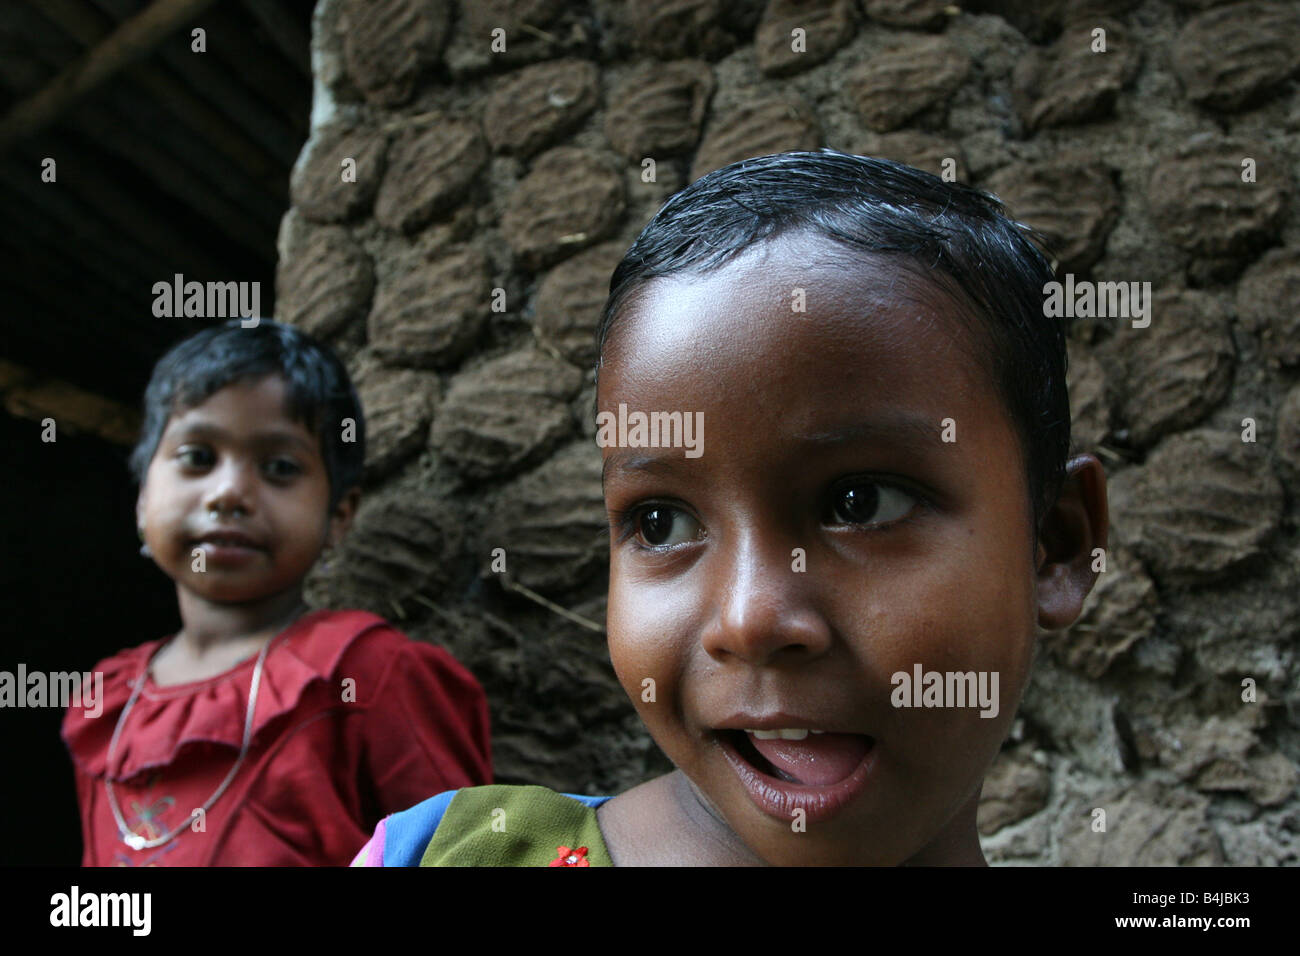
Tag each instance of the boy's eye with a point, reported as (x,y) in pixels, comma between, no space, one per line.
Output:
(869,502)
(659,525)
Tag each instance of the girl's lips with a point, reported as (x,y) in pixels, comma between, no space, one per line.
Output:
(780,798)
(227,553)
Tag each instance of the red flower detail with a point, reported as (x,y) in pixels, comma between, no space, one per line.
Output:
(568,857)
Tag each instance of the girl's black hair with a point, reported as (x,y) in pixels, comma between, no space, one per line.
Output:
(947,233)
(319,391)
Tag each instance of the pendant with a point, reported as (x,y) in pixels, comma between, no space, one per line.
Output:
(134,841)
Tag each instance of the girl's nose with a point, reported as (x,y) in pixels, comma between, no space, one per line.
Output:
(766,608)
(231,490)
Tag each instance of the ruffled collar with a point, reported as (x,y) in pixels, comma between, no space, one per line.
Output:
(166,720)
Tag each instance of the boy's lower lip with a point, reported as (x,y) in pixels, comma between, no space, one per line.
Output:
(780,798)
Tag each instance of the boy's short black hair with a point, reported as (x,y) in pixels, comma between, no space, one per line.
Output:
(319,391)
(950,234)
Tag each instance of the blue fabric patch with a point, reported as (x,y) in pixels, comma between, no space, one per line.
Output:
(410,831)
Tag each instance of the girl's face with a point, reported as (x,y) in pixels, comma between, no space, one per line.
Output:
(827,539)
(238,465)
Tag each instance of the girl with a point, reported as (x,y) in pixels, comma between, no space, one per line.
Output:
(879,521)
(262,732)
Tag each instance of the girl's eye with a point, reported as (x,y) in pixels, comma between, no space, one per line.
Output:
(870,503)
(287,468)
(195,457)
(203,458)
(659,525)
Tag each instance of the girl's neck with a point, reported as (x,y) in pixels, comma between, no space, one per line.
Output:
(208,626)
(186,660)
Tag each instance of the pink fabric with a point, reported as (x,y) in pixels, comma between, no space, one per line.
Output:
(372,854)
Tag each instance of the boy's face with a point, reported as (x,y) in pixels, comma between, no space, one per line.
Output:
(823,432)
(238,462)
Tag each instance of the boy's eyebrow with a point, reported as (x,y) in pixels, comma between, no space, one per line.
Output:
(896,427)
(633,462)
(270,436)
(893,428)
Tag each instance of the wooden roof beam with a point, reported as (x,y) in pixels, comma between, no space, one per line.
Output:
(131,41)
(86,25)
(29,395)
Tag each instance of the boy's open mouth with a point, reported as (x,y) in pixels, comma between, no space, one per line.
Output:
(814,760)
(800,776)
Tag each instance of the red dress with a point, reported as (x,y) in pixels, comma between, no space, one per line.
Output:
(325,764)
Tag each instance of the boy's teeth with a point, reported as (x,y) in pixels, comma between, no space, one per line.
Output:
(793,733)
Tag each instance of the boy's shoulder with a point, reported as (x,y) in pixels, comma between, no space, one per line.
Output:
(496,825)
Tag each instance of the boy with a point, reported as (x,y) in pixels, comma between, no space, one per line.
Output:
(825,608)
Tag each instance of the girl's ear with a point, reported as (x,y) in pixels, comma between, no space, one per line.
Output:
(1073,527)
(341,518)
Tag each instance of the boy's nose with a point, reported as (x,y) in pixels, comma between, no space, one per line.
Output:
(766,609)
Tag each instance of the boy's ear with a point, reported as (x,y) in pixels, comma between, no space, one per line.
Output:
(1076,524)
(341,518)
